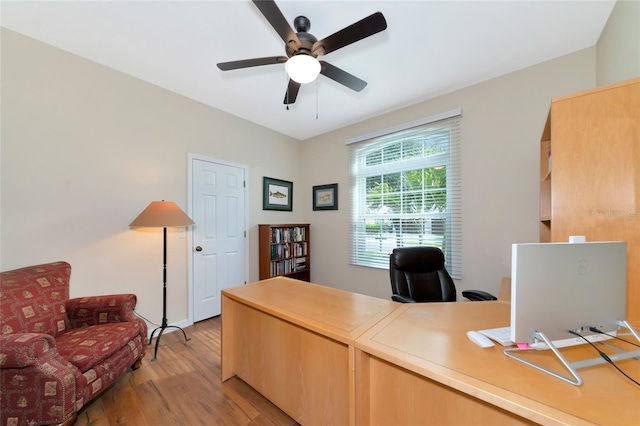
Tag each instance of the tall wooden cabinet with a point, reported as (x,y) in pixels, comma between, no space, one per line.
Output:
(284,250)
(590,173)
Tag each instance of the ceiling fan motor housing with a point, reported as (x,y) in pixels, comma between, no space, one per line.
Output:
(302,25)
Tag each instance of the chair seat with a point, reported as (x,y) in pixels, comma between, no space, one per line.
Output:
(89,346)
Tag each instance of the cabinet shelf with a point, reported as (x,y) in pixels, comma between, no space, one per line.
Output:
(545,182)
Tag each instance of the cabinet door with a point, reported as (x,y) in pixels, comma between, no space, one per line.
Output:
(596,173)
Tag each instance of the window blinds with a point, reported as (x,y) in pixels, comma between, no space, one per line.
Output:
(405,190)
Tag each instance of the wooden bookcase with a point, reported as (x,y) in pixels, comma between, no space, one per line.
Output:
(284,250)
(594,140)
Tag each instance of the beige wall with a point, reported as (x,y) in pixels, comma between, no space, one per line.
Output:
(618,49)
(84,151)
(501,127)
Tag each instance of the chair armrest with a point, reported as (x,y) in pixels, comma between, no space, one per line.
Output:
(478,295)
(94,310)
(22,350)
(33,373)
(403,299)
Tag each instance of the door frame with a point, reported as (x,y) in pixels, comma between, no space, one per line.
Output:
(190,158)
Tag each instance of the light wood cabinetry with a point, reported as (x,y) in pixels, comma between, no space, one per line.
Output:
(294,343)
(284,250)
(593,186)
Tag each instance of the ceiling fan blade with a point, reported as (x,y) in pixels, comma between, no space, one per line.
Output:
(292,92)
(364,28)
(342,77)
(277,20)
(246,63)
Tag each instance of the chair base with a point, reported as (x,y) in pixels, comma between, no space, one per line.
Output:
(138,363)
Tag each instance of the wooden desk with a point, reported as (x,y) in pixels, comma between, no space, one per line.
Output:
(417,366)
(293,342)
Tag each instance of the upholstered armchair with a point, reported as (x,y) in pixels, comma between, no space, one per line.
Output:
(56,353)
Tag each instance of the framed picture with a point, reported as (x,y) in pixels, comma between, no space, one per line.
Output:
(277,194)
(325,197)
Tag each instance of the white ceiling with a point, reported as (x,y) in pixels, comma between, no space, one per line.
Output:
(429,48)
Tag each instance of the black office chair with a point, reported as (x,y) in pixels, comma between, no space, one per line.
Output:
(418,275)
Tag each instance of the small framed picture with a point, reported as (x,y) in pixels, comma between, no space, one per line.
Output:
(325,197)
(277,194)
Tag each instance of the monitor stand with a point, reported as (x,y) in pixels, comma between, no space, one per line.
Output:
(573,367)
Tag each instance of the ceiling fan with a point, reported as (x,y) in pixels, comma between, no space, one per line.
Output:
(302,49)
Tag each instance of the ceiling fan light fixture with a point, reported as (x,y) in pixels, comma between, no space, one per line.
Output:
(302,68)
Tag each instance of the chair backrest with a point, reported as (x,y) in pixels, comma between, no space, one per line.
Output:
(419,273)
(33,299)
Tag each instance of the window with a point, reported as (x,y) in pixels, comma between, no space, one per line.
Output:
(406,191)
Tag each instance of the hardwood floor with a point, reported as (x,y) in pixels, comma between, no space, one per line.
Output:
(182,387)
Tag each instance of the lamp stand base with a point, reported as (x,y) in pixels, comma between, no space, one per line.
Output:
(162,328)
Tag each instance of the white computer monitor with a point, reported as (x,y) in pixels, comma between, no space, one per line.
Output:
(567,286)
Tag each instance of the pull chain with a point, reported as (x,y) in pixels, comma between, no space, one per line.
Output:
(287,94)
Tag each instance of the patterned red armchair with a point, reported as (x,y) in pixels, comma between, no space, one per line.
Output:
(56,353)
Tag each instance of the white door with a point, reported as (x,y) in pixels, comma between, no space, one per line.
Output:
(218,237)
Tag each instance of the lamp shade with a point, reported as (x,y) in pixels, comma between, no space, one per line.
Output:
(161,214)
(302,68)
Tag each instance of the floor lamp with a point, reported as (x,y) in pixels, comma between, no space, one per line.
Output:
(161,214)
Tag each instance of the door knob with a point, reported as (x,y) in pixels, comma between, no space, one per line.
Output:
(198,248)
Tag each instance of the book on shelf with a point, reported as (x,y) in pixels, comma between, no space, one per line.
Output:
(300,263)
(287,266)
(280,251)
(284,251)
(285,235)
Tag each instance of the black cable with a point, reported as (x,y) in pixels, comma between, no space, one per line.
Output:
(604,356)
(595,330)
(140,316)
